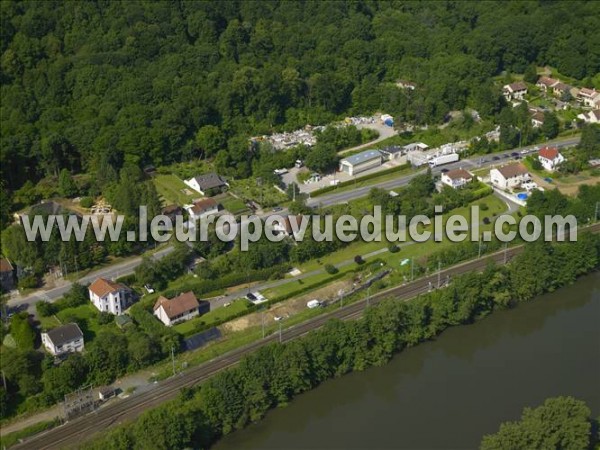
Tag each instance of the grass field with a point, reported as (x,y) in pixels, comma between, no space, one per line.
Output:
(234,205)
(86,317)
(171,190)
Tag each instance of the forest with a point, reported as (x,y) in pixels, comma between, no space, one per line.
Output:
(275,374)
(90,88)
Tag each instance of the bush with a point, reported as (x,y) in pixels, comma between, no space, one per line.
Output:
(46,309)
(359,260)
(486,220)
(331,269)
(393,248)
(28,282)
(86,202)
(484,207)
(105,318)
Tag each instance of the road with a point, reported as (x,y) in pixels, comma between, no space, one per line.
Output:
(111,272)
(333,198)
(478,162)
(384,131)
(84,428)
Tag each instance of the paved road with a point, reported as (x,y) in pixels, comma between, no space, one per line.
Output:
(474,163)
(111,272)
(81,429)
(384,131)
(324,200)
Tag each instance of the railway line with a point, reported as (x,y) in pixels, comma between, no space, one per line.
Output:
(83,428)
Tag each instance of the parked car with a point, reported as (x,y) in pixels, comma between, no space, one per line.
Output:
(277,208)
(548,180)
(514,154)
(444,170)
(496,158)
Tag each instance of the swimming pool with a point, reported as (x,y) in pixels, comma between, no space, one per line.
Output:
(522,195)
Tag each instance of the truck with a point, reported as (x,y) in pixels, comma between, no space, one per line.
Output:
(443,159)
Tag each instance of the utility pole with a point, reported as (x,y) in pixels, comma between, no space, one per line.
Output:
(173,358)
(412,268)
(439,272)
(280,340)
(479,253)
(597,211)
(505,252)
(263,323)
(369,296)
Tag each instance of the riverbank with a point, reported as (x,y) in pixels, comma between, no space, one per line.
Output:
(449,392)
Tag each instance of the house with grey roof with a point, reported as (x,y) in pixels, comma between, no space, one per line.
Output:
(207,184)
(65,339)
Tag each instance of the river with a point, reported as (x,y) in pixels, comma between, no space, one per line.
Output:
(448,393)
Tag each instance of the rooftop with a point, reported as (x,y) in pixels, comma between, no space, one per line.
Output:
(203,205)
(5,265)
(64,334)
(102,287)
(512,170)
(177,305)
(209,180)
(549,152)
(457,174)
(362,157)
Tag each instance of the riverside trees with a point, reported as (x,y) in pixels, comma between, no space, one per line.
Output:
(276,373)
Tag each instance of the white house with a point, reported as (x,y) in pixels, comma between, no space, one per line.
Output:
(589,97)
(202,208)
(360,162)
(545,83)
(550,158)
(592,116)
(509,176)
(207,183)
(109,296)
(65,339)
(537,119)
(179,309)
(457,178)
(515,91)
(286,225)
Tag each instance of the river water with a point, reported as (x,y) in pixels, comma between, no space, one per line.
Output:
(450,392)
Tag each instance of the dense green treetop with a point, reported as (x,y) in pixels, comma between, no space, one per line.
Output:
(93,86)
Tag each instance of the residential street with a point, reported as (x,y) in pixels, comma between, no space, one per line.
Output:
(333,198)
(111,272)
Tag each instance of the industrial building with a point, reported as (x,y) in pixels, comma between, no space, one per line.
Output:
(361,161)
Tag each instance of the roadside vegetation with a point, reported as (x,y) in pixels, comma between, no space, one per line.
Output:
(275,374)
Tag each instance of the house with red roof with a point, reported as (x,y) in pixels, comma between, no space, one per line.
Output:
(550,158)
(108,296)
(179,309)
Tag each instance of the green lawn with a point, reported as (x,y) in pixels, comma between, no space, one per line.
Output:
(217,316)
(86,317)
(234,205)
(171,190)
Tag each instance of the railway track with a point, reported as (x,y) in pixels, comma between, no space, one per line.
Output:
(83,428)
